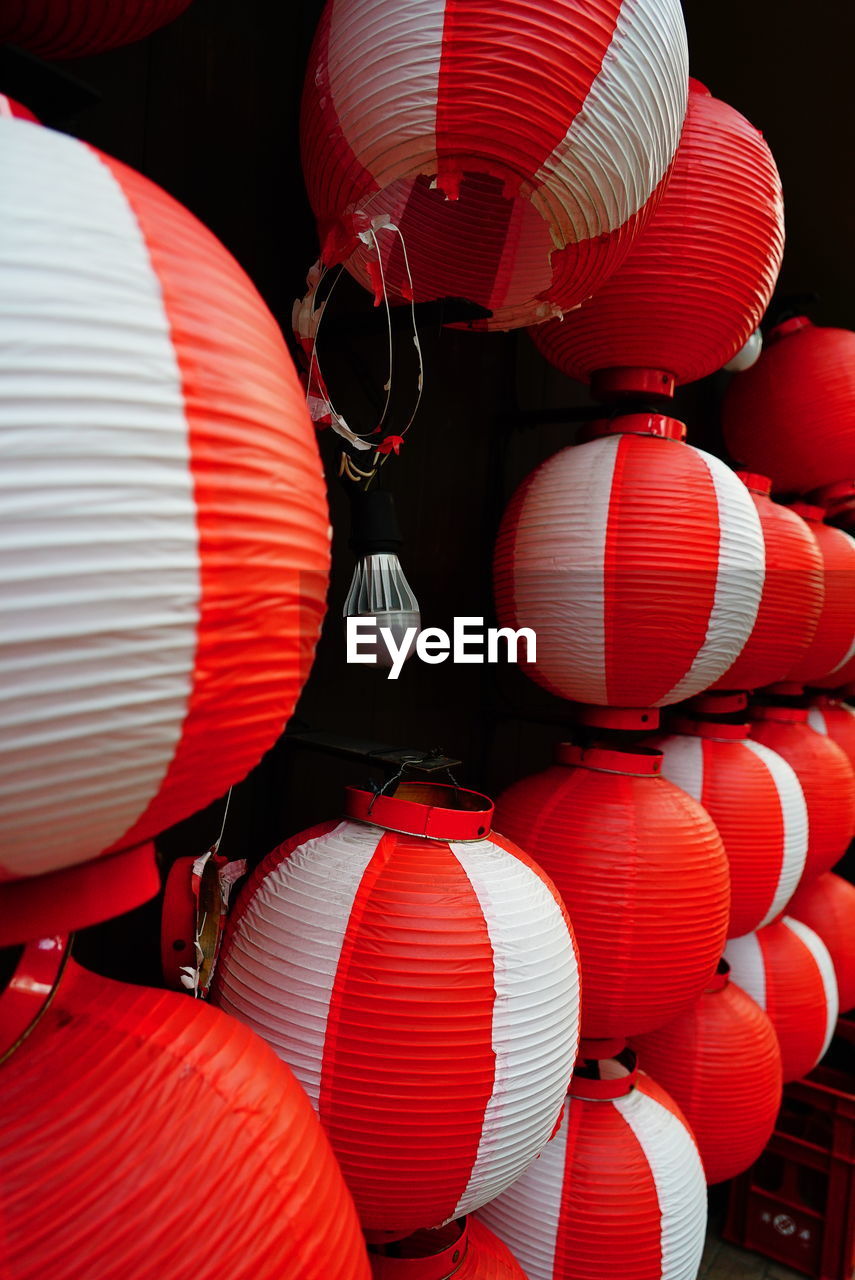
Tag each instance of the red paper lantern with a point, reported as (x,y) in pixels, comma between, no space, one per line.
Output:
(638,562)
(464,1250)
(15,110)
(77,28)
(790,415)
(827,905)
(836,720)
(721,1063)
(827,780)
(619,1191)
(145,1134)
(793,595)
(419,974)
(828,659)
(164,533)
(698,279)
(786,968)
(644,876)
(432,117)
(756,802)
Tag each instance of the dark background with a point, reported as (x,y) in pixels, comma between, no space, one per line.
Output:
(209,109)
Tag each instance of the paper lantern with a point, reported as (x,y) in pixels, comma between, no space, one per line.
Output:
(826,777)
(827,905)
(836,720)
(786,968)
(643,874)
(637,560)
(77,28)
(699,277)
(790,415)
(619,1190)
(792,599)
(721,1063)
(756,802)
(464,1250)
(828,658)
(145,1134)
(433,117)
(164,534)
(418,973)
(15,110)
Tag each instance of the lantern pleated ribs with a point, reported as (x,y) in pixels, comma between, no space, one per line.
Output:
(222,1170)
(620,1186)
(643,874)
(826,905)
(432,117)
(164,536)
(77,28)
(721,1063)
(425,992)
(757,804)
(787,969)
(700,275)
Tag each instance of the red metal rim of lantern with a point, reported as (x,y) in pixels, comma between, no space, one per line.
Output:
(76,897)
(440,1265)
(642,762)
(710,729)
(783,715)
(635,424)
(30,990)
(599,1088)
(424,809)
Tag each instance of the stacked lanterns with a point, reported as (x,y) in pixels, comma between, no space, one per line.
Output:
(787,969)
(437,167)
(827,662)
(637,560)
(757,803)
(164,536)
(721,1063)
(621,1180)
(418,973)
(96,1184)
(827,906)
(790,415)
(699,277)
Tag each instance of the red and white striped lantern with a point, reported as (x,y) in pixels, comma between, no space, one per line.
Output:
(431,119)
(825,775)
(699,277)
(419,974)
(637,560)
(164,534)
(827,905)
(643,873)
(789,416)
(145,1134)
(15,110)
(792,599)
(755,800)
(786,968)
(462,1250)
(721,1063)
(836,720)
(619,1190)
(76,28)
(828,660)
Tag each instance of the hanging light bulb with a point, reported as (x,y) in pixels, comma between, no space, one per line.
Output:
(379,588)
(747,355)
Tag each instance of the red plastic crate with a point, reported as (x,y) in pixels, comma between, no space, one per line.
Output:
(796,1205)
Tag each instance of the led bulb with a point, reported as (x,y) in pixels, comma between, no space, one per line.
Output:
(379,590)
(747,355)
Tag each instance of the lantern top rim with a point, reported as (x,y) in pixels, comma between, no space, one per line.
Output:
(660,425)
(783,715)
(605,1087)
(810,511)
(793,324)
(440,1265)
(430,809)
(755,482)
(638,762)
